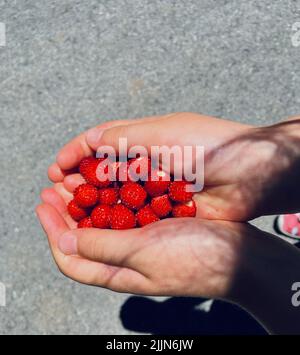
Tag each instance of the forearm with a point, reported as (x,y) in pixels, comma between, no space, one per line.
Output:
(263,286)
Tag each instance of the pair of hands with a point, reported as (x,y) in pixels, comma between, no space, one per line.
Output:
(190,257)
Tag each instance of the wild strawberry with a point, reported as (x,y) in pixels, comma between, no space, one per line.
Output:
(146,216)
(101,216)
(161,205)
(178,193)
(85,223)
(109,196)
(122,218)
(76,212)
(158,183)
(89,170)
(120,197)
(188,209)
(133,195)
(86,195)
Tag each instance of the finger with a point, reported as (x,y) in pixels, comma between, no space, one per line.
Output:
(63,192)
(86,271)
(95,135)
(53,224)
(53,198)
(71,154)
(118,248)
(55,173)
(50,196)
(71,182)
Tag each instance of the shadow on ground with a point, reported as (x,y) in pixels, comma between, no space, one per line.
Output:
(185,316)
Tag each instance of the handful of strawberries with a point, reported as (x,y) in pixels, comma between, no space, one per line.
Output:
(121,202)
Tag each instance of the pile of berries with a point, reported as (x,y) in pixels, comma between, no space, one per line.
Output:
(125,204)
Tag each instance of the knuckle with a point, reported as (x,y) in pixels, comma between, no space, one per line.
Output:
(111,134)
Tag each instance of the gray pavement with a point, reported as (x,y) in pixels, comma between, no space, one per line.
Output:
(68,65)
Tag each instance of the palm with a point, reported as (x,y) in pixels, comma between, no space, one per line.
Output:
(188,256)
(172,257)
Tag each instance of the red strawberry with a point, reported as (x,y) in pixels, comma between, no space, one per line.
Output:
(188,209)
(133,195)
(86,195)
(85,223)
(178,193)
(76,212)
(119,195)
(161,205)
(146,216)
(109,196)
(101,216)
(158,183)
(89,170)
(122,218)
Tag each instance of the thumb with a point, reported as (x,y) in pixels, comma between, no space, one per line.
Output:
(115,248)
(145,132)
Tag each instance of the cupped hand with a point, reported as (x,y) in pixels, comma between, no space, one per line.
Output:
(249,171)
(222,197)
(191,257)
(245,174)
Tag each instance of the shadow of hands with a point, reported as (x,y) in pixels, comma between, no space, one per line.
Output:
(187,316)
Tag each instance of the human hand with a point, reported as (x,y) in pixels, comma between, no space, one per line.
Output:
(244,165)
(191,257)
(187,257)
(162,130)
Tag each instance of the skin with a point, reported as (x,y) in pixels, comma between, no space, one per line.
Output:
(207,256)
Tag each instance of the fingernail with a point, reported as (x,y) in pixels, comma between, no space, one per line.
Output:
(68,244)
(94,135)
